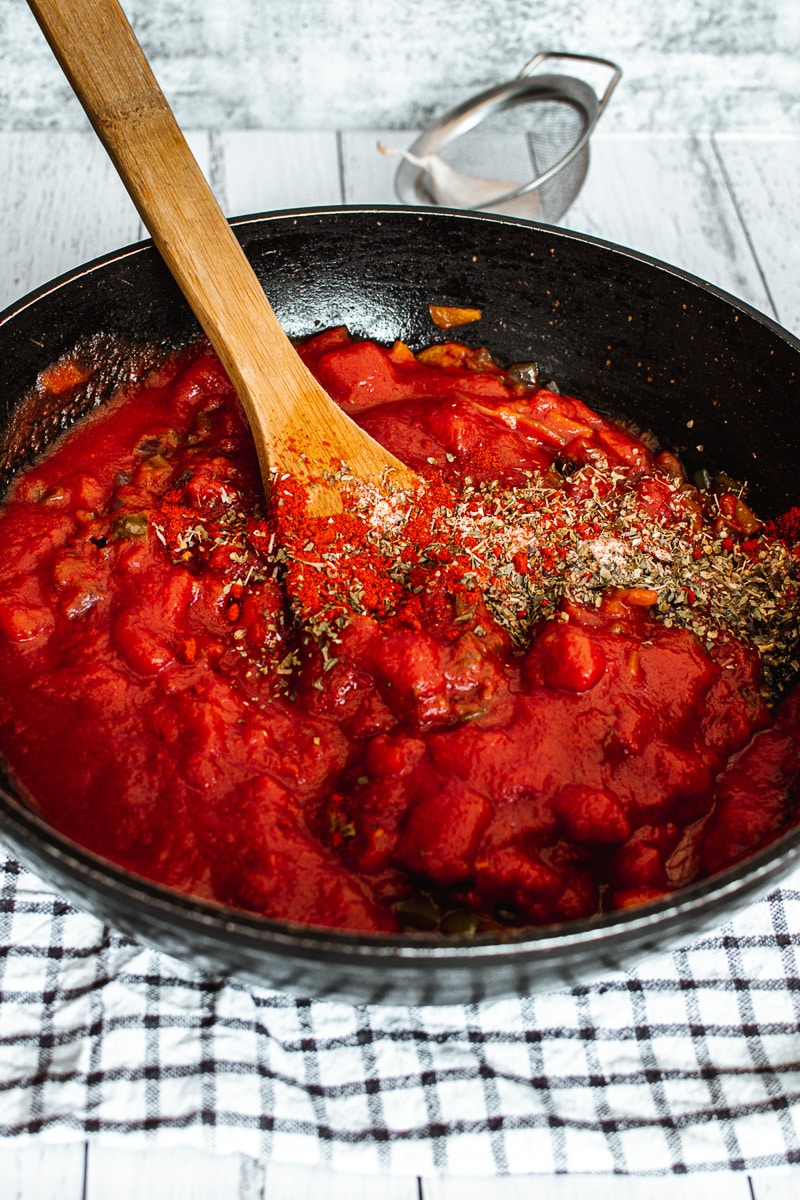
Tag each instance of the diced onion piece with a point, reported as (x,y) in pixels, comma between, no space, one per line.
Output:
(62,376)
(448,318)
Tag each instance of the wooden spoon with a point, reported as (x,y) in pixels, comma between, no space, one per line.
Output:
(296,426)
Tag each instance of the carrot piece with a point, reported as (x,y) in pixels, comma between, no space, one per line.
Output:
(447,318)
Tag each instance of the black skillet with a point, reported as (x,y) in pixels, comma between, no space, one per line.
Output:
(716,381)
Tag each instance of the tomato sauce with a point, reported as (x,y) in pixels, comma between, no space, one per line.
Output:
(554,683)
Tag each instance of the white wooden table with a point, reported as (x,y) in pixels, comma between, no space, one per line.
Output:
(724,207)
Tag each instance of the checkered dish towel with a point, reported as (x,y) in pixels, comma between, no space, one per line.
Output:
(691,1062)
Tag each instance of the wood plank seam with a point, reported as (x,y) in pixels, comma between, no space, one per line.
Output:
(744,225)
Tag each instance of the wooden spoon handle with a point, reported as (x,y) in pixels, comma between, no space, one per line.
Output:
(295,425)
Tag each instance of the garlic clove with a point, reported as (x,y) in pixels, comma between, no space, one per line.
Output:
(455,190)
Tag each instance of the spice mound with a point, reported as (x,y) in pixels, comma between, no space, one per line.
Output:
(557,680)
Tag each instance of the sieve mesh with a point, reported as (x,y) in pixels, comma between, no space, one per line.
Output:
(520,144)
(531,134)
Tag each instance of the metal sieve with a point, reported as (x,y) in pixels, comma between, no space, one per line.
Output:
(534,130)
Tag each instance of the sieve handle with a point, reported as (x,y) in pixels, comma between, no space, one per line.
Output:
(549,55)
